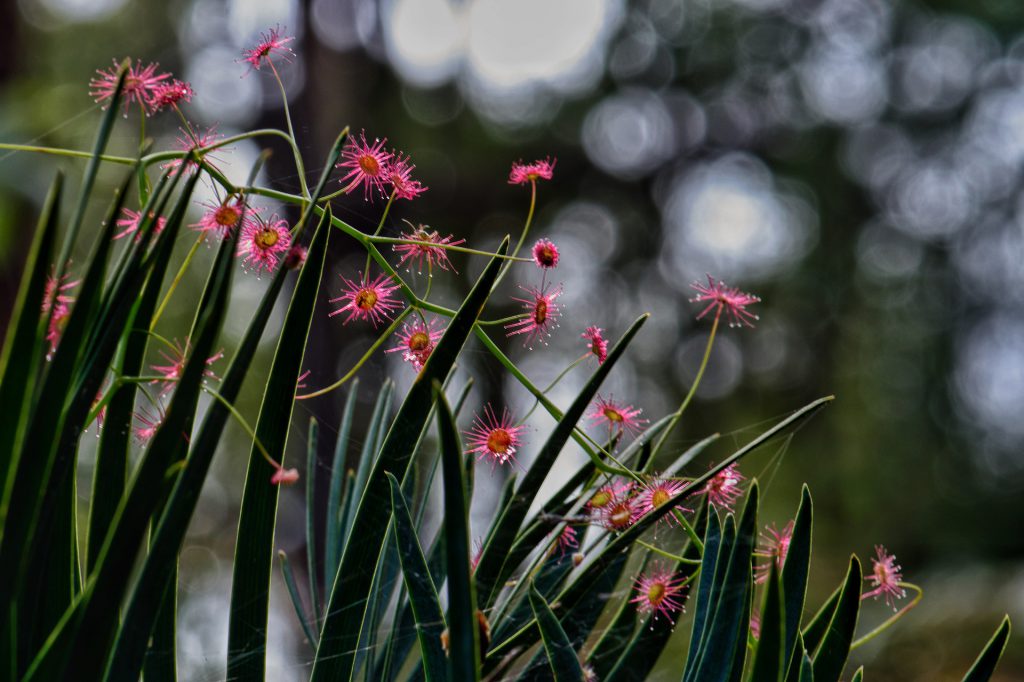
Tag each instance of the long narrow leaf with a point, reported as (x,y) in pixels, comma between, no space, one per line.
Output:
(795,573)
(336,493)
(565,666)
(987,661)
(830,658)
(769,659)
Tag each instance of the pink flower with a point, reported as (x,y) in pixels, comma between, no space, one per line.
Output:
(545,254)
(773,548)
(606,494)
(171,372)
(149,424)
(399,174)
(271,42)
(598,344)
(54,291)
(521,173)
(724,487)
(617,416)
(188,141)
(367,165)
(755,624)
(659,591)
(567,540)
(222,219)
(284,476)
(262,243)
(59,315)
(139,85)
(169,94)
(366,300)
(621,511)
(296,257)
(416,342)
(657,493)
(720,297)
(430,247)
(494,438)
(886,577)
(129,223)
(542,313)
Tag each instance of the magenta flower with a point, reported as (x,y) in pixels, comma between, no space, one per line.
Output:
(657,493)
(659,591)
(618,416)
(261,244)
(149,424)
(398,173)
(598,344)
(295,257)
(621,511)
(366,300)
(222,219)
(169,94)
(773,548)
(567,540)
(720,297)
(171,372)
(493,438)
(416,342)
(755,624)
(60,313)
(429,247)
(190,140)
(545,254)
(885,577)
(271,42)
(140,84)
(129,223)
(606,494)
(723,489)
(284,476)
(542,313)
(54,291)
(542,169)
(367,165)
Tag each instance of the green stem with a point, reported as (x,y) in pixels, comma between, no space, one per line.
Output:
(668,555)
(175,282)
(142,125)
(380,226)
(449,247)
(245,425)
(299,166)
(693,388)
(892,619)
(522,237)
(554,383)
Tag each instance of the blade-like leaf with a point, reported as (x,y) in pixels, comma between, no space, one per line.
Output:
(858,676)
(565,666)
(312,436)
(830,658)
(794,574)
(987,661)
(293,592)
(337,495)
(769,660)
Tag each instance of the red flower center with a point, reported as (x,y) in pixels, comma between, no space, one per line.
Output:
(366,299)
(369,165)
(546,255)
(540,312)
(620,516)
(227,217)
(266,238)
(499,441)
(419,341)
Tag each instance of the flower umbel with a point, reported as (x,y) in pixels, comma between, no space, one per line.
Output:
(720,297)
(598,344)
(773,548)
(262,243)
(522,173)
(886,576)
(496,439)
(541,317)
(429,247)
(416,342)
(367,165)
(659,592)
(271,42)
(366,300)
(724,487)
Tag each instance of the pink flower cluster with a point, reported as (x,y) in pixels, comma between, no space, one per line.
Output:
(374,168)
(143,86)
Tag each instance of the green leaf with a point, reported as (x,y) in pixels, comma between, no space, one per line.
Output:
(858,676)
(347,606)
(806,668)
(494,568)
(987,661)
(426,607)
(794,574)
(717,545)
(311,563)
(830,658)
(369,452)
(770,659)
(565,666)
(293,592)
(338,493)
(812,635)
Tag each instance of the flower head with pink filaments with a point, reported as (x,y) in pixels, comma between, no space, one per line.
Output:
(175,359)
(732,301)
(522,173)
(398,173)
(494,438)
(54,294)
(192,140)
(140,84)
(542,314)
(598,344)
(366,300)
(169,94)
(659,592)
(295,257)
(567,540)
(223,219)
(284,476)
(885,577)
(618,416)
(271,43)
(773,548)
(606,494)
(430,247)
(129,223)
(622,511)
(657,493)
(262,243)
(367,165)
(723,489)
(417,341)
(59,313)
(545,254)
(149,424)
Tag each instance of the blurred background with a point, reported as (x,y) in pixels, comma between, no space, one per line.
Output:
(856,163)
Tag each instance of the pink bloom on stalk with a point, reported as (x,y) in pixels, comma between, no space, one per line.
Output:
(129,223)
(169,94)
(545,254)
(140,83)
(622,511)
(430,247)
(296,257)
(262,243)
(284,476)
(542,169)
(367,165)
(657,493)
(149,424)
(659,591)
(398,173)
(171,372)
(493,438)
(222,219)
(416,342)
(724,487)
(59,315)
(618,416)
(542,313)
(567,540)
(54,291)
(271,42)
(773,548)
(188,141)
(598,344)
(366,300)
(720,297)
(886,577)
